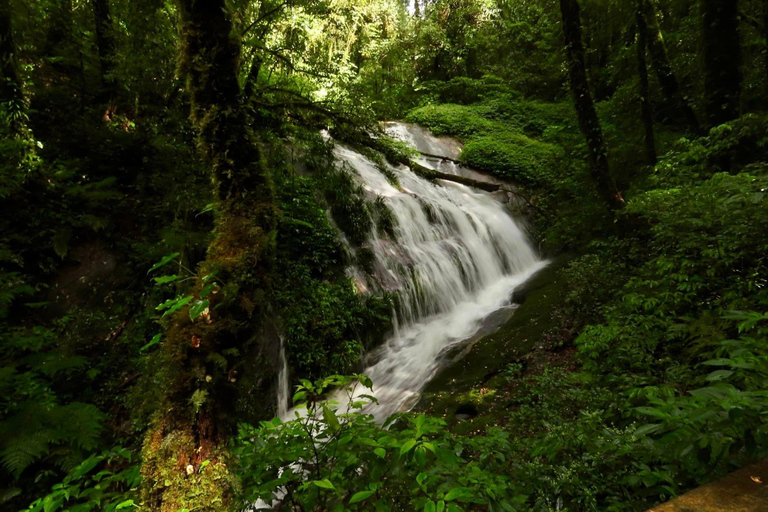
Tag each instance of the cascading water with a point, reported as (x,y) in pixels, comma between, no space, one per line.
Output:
(455,257)
(283,383)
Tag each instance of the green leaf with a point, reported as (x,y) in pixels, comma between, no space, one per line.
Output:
(207,289)
(164,261)
(407,446)
(124,504)
(197,309)
(719,375)
(166,279)
(458,493)
(50,504)
(360,496)
(324,484)
(381,452)
(173,305)
(429,506)
(154,341)
(330,418)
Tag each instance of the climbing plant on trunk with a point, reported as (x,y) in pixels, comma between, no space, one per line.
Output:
(589,123)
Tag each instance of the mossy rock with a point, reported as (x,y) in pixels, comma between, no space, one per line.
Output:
(513,157)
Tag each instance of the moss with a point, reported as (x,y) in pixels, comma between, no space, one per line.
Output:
(513,156)
(175,477)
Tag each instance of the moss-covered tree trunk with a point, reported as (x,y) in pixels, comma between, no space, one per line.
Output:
(670,86)
(589,123)
(722,59)
(203,358)
(105,42)
(646,110)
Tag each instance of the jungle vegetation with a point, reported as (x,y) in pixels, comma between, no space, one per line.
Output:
(164,188)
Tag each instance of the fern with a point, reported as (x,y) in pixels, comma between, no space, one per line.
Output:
(35,431)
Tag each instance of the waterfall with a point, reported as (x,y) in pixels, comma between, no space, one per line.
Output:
(283,383)
(454,259)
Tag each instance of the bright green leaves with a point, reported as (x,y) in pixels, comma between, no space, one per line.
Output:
(336,457)
(173,305)
(406,447)
(154,341)
(166,279)
(114,487)
(324,484)
(163,262)
(198,308)
(360,496)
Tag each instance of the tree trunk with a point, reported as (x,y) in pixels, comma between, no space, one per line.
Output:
(646,110)
(105,41)
(765,37)
(670,87)
(11,91)
(416,8)
(201,358)
(585,108)
(722,59)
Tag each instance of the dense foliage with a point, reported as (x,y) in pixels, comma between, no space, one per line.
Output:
(649,378)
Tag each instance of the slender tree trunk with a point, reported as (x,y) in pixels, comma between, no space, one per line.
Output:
(11,91)
(201,358)
(646,110)
(416,8)
(585,108)
(105,40)
(251,82)
(670,87)
(765,37)
(722,59)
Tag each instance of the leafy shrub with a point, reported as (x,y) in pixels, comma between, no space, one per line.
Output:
(336,457)
(512,156)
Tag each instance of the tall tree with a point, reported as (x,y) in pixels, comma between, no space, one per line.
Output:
(202,354)
(11,92)
(589,123)
(670,86)
(722,59)
(646,110)
(105,41)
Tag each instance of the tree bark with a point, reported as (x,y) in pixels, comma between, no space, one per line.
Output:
(589,123)
(765,37)
(201,358)
(11,91)
(105,41)
(670,87)
(646,109)
(722,59)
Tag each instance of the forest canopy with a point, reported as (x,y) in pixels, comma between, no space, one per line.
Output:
(204,250)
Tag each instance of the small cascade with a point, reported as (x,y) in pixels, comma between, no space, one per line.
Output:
(283,384)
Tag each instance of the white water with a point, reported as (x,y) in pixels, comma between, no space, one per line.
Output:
(455,258)
(283,383)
